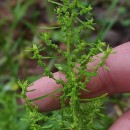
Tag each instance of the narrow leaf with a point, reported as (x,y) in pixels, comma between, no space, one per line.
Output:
(31,90)
(107,68)
(86,73)
(49,28)
(54,2)
(47,95)
(61,67)
(102,96)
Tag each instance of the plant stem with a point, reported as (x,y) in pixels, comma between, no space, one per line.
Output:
(68,44)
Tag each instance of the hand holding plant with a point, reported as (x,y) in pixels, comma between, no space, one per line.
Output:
(83,79)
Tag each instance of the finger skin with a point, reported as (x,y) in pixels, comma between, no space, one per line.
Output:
(117,80)
(45,86)
(123,123)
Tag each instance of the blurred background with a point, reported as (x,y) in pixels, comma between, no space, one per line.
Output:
(21,23)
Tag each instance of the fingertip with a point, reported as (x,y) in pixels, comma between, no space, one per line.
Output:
(44,86)
(123,123)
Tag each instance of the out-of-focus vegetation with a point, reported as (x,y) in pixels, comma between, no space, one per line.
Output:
(21,23)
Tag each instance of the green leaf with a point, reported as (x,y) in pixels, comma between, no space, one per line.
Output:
(107,68)
(49,126)
(86,73)
(61,67)
(47,95)
(49,28)
(31,90)
(84,89)
(54,2)
(89,26)
(91,99)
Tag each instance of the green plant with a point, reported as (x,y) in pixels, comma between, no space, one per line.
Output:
(12,44)
(11,112)
(79,115)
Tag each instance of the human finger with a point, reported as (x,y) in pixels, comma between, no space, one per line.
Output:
(123,123)
(114,81)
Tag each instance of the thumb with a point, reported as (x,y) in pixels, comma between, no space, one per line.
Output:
(123,123)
